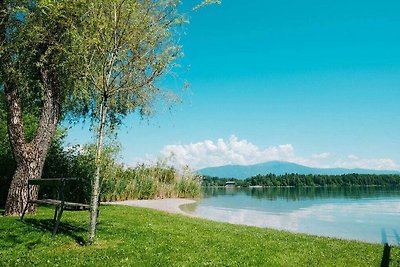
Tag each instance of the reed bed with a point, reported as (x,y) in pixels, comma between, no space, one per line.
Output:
(149,182)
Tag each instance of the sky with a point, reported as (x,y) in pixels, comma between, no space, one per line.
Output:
(311,82)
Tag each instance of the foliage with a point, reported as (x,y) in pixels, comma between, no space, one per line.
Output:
(141,237)
(294,179)
(41,35)
(127,46)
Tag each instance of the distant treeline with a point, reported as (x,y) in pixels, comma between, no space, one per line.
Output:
(298,180)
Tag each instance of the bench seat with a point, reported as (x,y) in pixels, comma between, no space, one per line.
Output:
(58,202)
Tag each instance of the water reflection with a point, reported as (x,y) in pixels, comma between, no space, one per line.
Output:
(300,193)
(362,213)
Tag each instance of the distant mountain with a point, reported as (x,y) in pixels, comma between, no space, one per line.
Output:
(279,168)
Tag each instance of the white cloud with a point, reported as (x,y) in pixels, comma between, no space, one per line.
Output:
(321,155)
(373,164)
(233,151)
(352,157)
(210,153)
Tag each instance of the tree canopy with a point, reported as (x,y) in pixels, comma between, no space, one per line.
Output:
(41,34)
(128,45)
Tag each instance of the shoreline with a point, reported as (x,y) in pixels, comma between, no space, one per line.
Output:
(170,205)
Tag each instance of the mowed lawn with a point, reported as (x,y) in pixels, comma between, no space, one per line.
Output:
(129,236)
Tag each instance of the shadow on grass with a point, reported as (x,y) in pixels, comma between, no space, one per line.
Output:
(9,241)
(386,255)
(47,225)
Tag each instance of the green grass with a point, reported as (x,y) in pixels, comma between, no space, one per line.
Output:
(130,236)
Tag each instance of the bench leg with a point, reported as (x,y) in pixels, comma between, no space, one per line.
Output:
(55,214)
(60,212)
(24,211)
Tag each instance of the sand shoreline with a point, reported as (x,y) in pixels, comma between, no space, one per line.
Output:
(170,205)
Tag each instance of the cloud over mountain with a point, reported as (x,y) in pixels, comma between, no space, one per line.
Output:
(233,151)
(210,153)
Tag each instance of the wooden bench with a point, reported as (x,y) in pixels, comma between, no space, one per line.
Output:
(59,184)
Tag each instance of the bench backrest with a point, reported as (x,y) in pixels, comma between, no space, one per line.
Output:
(68,188)
(53,181)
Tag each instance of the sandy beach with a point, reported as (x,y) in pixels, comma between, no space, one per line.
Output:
(170,205)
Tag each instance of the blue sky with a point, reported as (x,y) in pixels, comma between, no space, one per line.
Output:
(314,82)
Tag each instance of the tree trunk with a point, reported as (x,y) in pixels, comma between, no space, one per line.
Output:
(94,201)
(18,191)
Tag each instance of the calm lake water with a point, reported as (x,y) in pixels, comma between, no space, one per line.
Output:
(369,214)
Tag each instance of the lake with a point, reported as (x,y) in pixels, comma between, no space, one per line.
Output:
(370,214)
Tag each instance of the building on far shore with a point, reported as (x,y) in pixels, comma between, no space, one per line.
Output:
(230,184)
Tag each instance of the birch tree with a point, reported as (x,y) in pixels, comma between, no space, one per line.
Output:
(130,44)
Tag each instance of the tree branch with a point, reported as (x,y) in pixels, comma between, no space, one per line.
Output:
(50,112)
(14,117)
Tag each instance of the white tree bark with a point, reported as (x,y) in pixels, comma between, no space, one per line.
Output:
(94,200)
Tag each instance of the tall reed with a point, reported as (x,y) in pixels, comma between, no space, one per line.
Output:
(149,182)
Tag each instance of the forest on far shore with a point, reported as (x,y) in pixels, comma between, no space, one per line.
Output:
(298,180)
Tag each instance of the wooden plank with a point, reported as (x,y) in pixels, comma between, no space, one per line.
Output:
(50,182)
(72,204)
(58,202)
(45,201)
(53,181)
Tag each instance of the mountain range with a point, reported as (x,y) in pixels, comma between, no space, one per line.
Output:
(279,168)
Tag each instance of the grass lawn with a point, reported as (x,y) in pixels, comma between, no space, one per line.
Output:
(129,236)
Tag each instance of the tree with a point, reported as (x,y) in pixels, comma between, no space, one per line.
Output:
(129,44)
(37,74)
